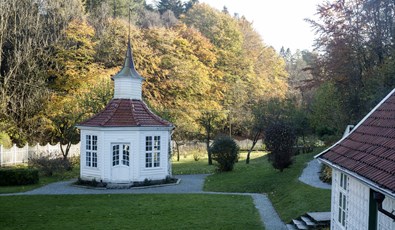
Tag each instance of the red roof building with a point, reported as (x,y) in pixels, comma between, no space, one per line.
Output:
(126,142)
(363,166)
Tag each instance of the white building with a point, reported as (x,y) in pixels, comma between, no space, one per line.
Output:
(125,142)
(363,176)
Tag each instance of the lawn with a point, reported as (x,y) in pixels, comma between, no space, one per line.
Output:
(129,212)
(290,197)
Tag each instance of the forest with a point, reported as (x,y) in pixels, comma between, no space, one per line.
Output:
(206,71)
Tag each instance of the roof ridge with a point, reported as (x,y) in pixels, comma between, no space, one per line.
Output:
(132,114)
(115,106)
(154,116)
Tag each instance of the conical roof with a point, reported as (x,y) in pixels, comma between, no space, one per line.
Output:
(128,70)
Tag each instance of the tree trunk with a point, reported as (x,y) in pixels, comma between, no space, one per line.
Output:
(65,152)
(178,151)
(210,161)
(254,141)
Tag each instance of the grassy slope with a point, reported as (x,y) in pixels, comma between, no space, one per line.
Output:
(290,197)
(129,212)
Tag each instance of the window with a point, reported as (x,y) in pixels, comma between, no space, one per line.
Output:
(152,151)
(342,199)
(115,155)
(91,151)
(125,157)
(120,154)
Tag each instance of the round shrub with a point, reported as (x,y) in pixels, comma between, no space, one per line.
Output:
(225,151)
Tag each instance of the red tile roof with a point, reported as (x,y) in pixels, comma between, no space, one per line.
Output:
(369,150)
(126,113)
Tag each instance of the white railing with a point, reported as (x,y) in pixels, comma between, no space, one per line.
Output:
(16,155)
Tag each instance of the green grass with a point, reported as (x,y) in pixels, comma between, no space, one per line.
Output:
(129,212)
(44,180)
(187,165)
(290,197)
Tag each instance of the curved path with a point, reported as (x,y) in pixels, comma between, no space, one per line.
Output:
(311,175)
(188,184)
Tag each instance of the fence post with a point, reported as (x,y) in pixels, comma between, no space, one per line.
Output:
(14,155)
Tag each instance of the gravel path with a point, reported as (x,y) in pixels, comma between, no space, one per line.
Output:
(311,175)
(192,184)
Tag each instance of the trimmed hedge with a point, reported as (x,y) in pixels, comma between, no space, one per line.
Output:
(19,176)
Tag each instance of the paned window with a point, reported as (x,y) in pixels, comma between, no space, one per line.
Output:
(125,156)
(120,154)
(91,151)
(115,155)
(342,199)
(152,151)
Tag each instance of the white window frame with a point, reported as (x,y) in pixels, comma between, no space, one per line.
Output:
(342,204)
(123,154)
(152,151)
(91,151)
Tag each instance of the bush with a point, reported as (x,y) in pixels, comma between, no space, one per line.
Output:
(326,174)
(280,139)
(225,151)
(5,140)
(48,165)
(18,176)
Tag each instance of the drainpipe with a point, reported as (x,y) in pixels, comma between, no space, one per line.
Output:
(379,198)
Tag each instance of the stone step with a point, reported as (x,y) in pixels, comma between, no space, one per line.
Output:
(308,221)
(291,227)
(320,217)
(300,224)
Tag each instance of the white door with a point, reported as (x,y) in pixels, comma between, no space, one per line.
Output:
(120,171)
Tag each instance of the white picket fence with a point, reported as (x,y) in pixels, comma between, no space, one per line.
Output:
(16,155)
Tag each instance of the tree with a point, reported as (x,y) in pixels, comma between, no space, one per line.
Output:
(326,109)
(225,151)
(28,30)
(174,6)
(280,140)
(209,120)
(64,120)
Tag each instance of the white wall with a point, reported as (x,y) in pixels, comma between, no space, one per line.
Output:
(385,222)
(357,203)
(136,140)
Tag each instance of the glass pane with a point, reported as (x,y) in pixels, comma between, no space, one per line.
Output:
(88,159)
(148,160)
(115,155)
(94,142)
(148,143)
(88,142)
(94,159)
(125,156)
(341,180)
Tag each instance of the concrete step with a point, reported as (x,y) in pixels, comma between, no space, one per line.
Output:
(291,227)
(323,218)
(309,222)
(300,224)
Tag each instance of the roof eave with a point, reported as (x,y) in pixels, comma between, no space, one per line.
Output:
(364,180)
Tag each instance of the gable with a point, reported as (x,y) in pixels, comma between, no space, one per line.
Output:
(369,150)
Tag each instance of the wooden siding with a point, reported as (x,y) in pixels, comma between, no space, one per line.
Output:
(385,222)
(127,88)
(136,141)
